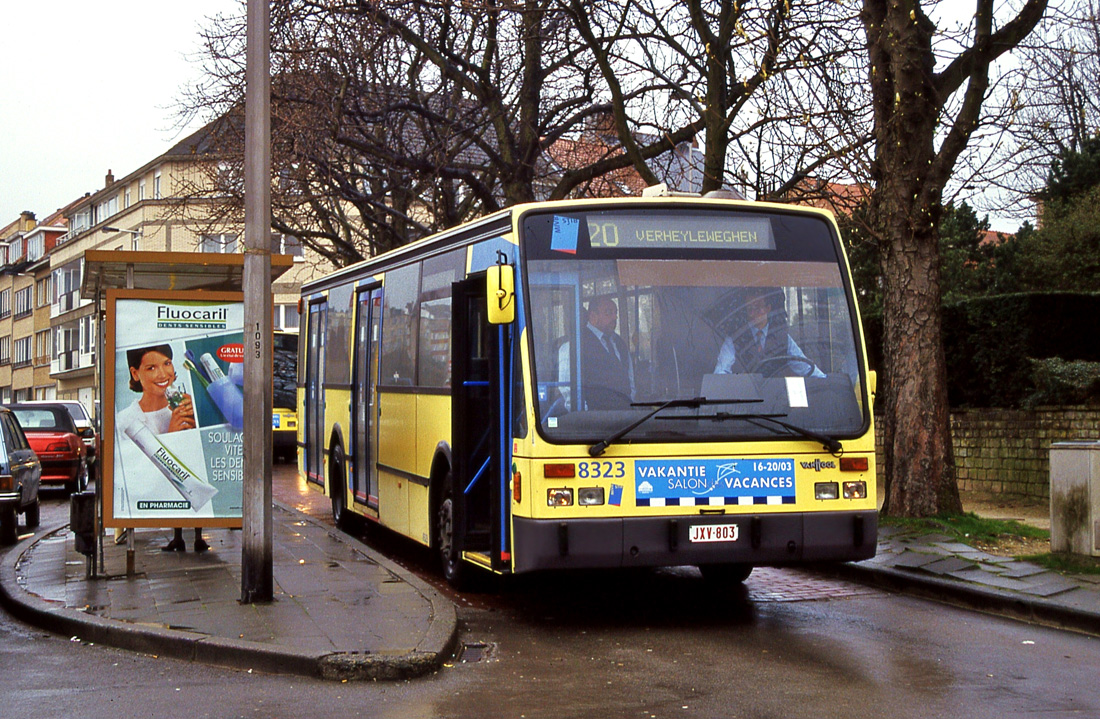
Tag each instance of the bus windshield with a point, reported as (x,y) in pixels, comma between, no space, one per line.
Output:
(746,310)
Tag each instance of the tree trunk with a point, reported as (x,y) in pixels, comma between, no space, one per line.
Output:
(920,465)
(919,462)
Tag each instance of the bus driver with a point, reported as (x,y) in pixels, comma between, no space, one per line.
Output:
(761,343)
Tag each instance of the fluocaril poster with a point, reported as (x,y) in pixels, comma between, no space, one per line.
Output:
(178,409)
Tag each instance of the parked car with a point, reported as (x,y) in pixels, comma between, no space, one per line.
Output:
(56,440)
(84,424)
(20,475)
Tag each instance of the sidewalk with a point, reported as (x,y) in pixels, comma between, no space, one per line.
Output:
(938,567)
(341,611)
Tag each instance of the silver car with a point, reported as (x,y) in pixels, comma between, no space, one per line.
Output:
(20,476)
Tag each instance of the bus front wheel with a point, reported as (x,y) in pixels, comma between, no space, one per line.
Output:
(450,562)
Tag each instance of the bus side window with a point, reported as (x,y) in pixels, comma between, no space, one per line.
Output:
(397,365)
(435,317)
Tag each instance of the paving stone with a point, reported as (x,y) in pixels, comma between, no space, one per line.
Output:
(1022,569)
(948,565)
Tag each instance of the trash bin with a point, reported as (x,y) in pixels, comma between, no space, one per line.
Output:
(1075,497)
(82,520)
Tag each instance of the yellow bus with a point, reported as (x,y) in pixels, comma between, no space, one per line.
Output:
(641,382)
(284,414)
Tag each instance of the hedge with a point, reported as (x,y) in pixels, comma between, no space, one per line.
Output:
(999,348)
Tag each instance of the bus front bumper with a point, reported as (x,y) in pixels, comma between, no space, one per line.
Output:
(767,539)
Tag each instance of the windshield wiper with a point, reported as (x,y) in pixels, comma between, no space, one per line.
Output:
(831,444)
(695,402)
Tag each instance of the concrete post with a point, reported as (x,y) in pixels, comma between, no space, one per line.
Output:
(257,584)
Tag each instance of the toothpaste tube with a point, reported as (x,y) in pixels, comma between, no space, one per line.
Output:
(178,474)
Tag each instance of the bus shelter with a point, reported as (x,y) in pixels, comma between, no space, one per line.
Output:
(168,377)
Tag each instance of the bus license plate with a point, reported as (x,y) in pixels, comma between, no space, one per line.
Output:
(713,533)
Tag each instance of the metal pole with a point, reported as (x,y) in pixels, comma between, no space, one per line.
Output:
(257,584)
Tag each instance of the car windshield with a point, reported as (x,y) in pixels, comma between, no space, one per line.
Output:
(43,418)
(77,412)
(630,310)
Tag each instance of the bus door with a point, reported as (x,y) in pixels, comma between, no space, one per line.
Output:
(315,392)
(480,421)
(364,396)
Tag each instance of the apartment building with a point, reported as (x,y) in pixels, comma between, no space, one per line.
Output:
(48,332)
(157,208)
(25,334)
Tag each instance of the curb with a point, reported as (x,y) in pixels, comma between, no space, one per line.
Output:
(437,644)
(1008,604)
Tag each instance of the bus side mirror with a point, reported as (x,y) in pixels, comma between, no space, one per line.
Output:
(500,293)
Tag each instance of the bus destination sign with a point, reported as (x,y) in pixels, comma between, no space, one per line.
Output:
(680,231)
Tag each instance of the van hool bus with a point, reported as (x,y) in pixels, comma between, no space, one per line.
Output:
(599,383)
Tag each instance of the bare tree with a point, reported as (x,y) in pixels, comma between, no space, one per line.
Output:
(765,83)
(923,121)
(1054,106)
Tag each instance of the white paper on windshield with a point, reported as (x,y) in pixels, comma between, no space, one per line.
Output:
(796,392)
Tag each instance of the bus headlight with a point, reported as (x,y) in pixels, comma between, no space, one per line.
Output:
(562,497)
(590,496)
(826,490)
(855,490)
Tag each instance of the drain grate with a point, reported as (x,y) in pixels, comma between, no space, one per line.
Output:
(474,652)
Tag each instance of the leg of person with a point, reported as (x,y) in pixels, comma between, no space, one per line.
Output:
(200,543)
(177,544)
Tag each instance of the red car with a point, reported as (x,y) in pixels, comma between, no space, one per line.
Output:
(56,440)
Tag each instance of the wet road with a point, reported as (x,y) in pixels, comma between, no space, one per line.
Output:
(638,644)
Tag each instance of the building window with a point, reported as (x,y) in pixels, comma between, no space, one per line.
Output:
(126,198)
(36,247)
(43,347)
(218,243)
(105,209)
(66,282)
(22,352)
(15,248)
(23,298)
(87,334)
(43,289)
(141,189)
(286,245)
(286,317)
(156,185)
(5,303)
(81,221)
(5,350)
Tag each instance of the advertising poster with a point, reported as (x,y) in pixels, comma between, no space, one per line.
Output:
(176,366)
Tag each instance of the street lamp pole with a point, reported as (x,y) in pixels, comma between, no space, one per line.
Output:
(257,583)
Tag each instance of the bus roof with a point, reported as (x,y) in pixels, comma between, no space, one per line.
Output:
(500,223)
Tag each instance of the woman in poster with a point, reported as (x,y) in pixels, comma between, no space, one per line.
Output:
(160,407)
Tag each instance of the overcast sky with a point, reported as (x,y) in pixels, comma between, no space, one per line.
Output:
(91,87)
(87,87)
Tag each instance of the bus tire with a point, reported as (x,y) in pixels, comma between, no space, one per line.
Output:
(725,574)
(454,570)
(338,491)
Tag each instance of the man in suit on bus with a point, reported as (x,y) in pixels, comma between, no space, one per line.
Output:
(607,375)
(760,341)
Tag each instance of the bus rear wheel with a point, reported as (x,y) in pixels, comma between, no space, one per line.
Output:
(338,491)
(725,574)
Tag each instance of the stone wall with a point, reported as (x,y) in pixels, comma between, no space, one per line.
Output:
(1003,451)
